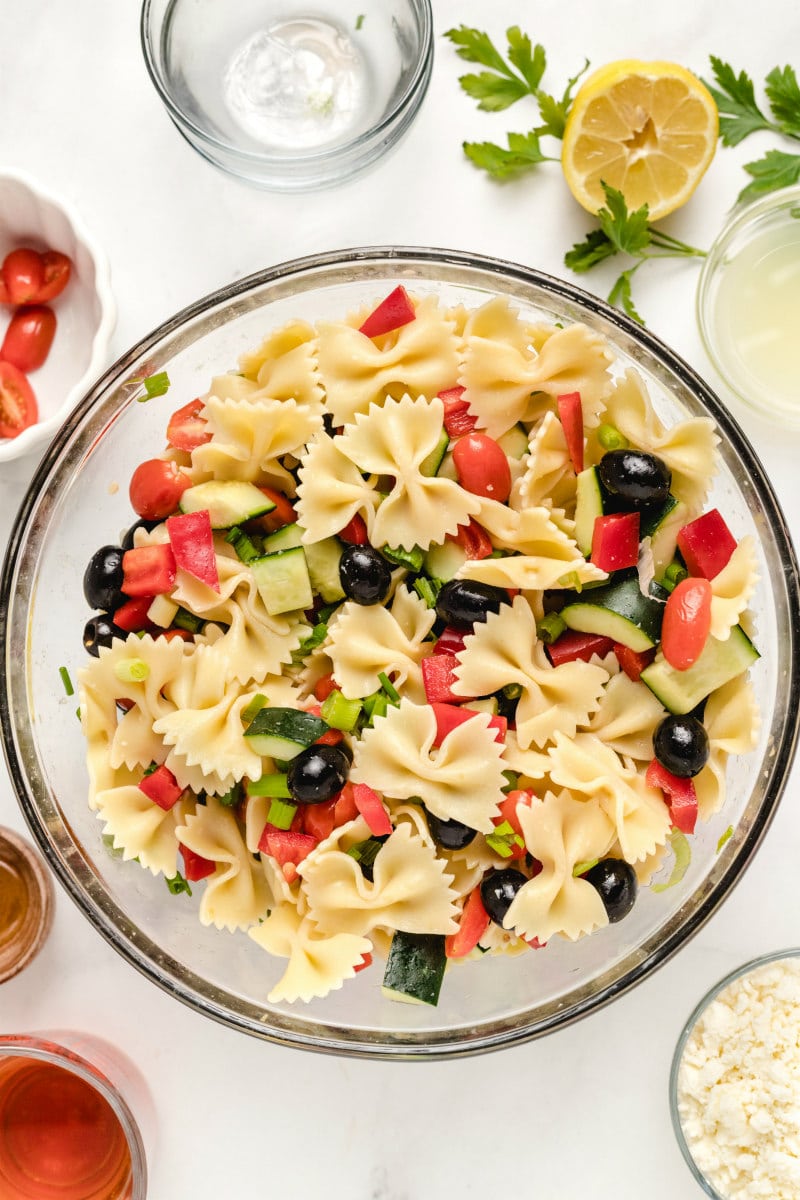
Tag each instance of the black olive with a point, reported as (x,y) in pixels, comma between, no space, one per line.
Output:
(127,541)
(498,890)
(451,835)
(102,579)
(317,774)
(635,476)
(463,602)
(615,880)
(364,575)
(100,631)
(681,745)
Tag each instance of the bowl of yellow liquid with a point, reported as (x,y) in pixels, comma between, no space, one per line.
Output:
(748,305)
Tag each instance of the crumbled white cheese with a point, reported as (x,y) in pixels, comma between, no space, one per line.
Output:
(739,1086)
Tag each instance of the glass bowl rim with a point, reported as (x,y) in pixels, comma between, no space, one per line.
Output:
(412,95)
(456,1043)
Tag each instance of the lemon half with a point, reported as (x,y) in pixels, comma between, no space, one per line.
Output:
(648,129)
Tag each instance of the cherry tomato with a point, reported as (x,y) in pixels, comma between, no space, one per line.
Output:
(4,296)
(18,407)
(29,337)
(187,429)
(355,531)
(482,466)
(23,275)
(687,622)
(473,540)
(56,271)
(156,487)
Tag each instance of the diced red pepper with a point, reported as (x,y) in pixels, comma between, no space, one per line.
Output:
(508,808)
(192,541)
(706,544)
(450,716)
(473,540)
(633,662)
(471,928)
(318,820)
(438,677)
(148,570)
(187,429)
(679,793)
(195,867)
(132,616)
(346,809)
(574,645)
(687,622)
(366,961)
(615,541)
(570,411)
(458,420)
(161,787)
(331,737)
(285,845)
(450,641)
(355,531)
(535,944)
(393,312)
(171,634)
(324,686)
(370,805)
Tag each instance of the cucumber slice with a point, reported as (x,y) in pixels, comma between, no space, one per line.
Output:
(653,517)
(447,468)
(588,506)
(444,561)
(283,732)
(664,538)
(415,968)
(681,691)
(618,610)
(284,539)
(229,501)
(487,704)
(514,443)
(430,465)
(283,581)
(323,568)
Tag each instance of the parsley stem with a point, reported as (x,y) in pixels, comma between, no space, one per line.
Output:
(665,241)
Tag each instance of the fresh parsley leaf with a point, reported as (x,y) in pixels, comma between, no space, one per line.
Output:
(739,114)
(775,170)
(500,86)
(476,47)
(493,93)
(629,231)
(529,60)
(783,93)
(620,295)
(524,151)
(554,112)
(588,253)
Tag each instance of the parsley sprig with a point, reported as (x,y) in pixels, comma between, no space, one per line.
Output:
(624,232)
(740,115)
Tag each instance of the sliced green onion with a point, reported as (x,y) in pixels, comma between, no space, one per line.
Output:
(366,852)
(177,884)
(727,835)
(427,590)
(512,691)
(572,581)
(231,798)
(270,786)
(504,839)
(673,575)
(151,769)
(251,710)
(184,619)
(376,705)
(244,546)
(155,385)
(581,868)
(339,712)
(359,21)
(389,688)
(413,559)
(67,682)
(131,670)
(610,438)
(78,713)
(683,856)
(512,781)
(550,628)
(281,814)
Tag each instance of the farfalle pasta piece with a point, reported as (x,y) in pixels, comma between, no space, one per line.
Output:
(251,437)
(421,359)
(543,553)
(627,718)
(410,889)
(236,895)
(461,780)
(141,829)
(394,441)
(332,490)
(732,589)
(732,722)
(548,476)
(560,832)
(505,650)
(210,735)
(285,366)
(318,963)
(367,641)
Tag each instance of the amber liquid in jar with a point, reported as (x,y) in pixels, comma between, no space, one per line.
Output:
(59,1137)
(14,893)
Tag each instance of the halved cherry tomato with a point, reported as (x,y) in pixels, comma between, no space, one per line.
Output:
(56,271)
(23,275)
(187,429)
(482,467)
(29,337)
(18,407)
(156,487)
(570,412)
(687,622)
(355,531)
(471,928)
(473,540)
(282,514)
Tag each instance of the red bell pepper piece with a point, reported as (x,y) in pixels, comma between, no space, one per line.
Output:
(366,961)
(570,412)
(450,641)
(471,928)
(195,867)
(318,820)
(346,809)
(615,541)
(285,845)
(324,686)
(438,677)
(706,544)
(574,645)
(687,622)
(192,542)
(161,787)
(450,716)
(679,793)
(355,531)
(458,420)
(187,429)
(370,805)
(508,808)
(473,540)
(148,570)
(393,312)
(132,616)
(331,737)
(633,662)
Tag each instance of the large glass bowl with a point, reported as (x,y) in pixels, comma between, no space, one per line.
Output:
(78,501)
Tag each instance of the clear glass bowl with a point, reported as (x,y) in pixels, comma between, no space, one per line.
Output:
(748,305)
(290,96)
(78,501)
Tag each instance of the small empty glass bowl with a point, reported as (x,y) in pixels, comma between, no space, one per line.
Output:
(748,305)
(290,96)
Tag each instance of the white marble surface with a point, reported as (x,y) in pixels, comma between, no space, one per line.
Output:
(582,1113)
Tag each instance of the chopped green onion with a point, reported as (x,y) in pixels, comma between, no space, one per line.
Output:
(366,852)
(243,545)
(581,868)
(231,798)
(673,575)
(413,559)
(131,670)
(270,786)
(339,712)
(683,856)
(550,628)
(359,21)
(376,705)
(184,619)
(281,814)
(251,710)
(572,581)
(427,590)
(67,682)
(512,781)
(503,840)
(512,691)
(725,837)
(389,688)
(610,438)
(178,884)
(151,769)
(155,385)
(78,712)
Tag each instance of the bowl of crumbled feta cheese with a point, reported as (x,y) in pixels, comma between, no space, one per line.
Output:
(735,1083)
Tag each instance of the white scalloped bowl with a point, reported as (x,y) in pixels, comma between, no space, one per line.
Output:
(85,311)
(78,501)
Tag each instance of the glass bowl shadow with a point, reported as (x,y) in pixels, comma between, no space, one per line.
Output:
(78,501)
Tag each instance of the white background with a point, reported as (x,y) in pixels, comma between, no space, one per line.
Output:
(582,1113)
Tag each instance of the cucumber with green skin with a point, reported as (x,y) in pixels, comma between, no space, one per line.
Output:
(444,561)
(323,568)
(415,968)
(588,506)
(228,501)
(283,581)
(285,538)
(431,463)
(283,732)
(618,610)
(719,662)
